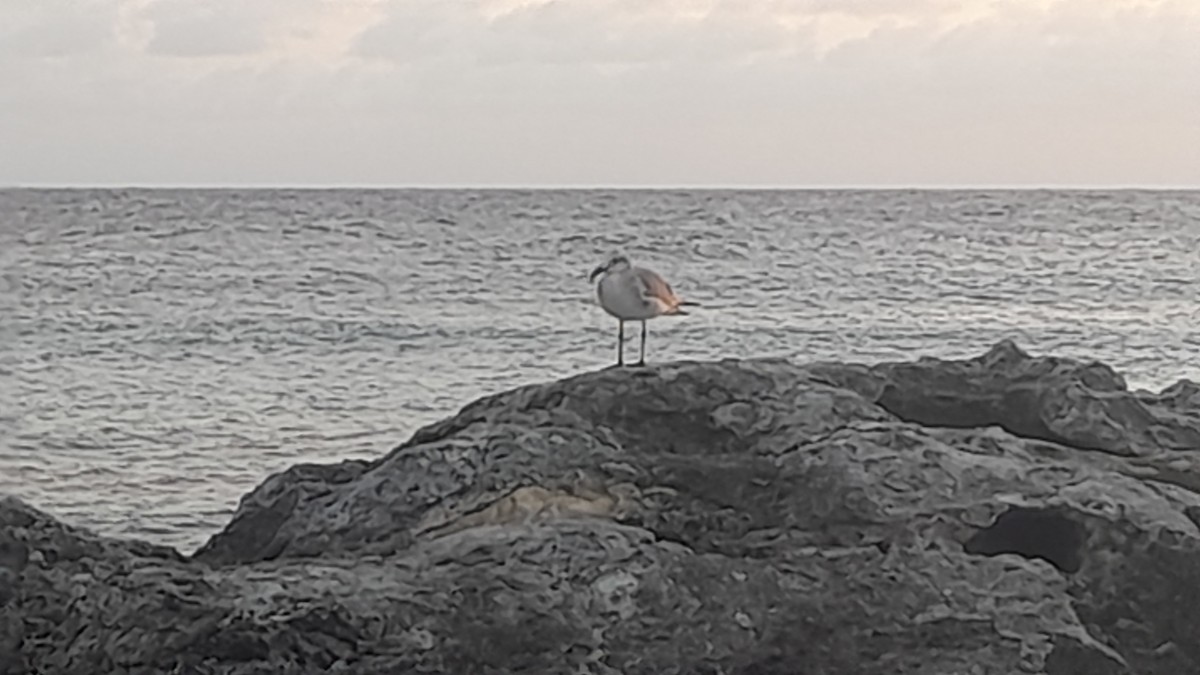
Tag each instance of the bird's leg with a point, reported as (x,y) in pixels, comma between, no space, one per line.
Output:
(621,342)
(642,353)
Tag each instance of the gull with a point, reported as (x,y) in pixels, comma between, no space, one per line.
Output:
(634,294)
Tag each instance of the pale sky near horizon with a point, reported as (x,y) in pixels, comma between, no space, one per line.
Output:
(600,92)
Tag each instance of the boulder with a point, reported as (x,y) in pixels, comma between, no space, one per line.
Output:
(1001,514)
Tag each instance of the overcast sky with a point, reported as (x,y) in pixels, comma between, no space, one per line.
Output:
(600,92)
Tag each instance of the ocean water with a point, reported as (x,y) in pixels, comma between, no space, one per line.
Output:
(163,351)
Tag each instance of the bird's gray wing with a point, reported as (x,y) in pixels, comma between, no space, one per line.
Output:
(653,285)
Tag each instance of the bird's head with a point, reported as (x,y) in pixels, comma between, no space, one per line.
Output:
(616,262)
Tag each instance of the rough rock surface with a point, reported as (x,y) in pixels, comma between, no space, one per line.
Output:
(1005,514)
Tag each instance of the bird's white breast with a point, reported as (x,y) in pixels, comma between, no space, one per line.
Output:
(620,295)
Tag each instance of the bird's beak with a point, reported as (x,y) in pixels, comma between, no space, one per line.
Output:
(597,272)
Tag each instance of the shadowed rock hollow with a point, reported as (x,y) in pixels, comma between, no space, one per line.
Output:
(1002,514)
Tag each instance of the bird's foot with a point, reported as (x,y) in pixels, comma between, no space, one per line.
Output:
(640,364)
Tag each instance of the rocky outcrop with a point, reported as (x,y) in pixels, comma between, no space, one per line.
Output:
(995,515)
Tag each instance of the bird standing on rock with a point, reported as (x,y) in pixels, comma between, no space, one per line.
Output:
(634,294)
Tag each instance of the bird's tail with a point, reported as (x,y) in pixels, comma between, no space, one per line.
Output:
(679,311)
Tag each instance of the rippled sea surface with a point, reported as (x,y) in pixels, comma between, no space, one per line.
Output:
(163,351)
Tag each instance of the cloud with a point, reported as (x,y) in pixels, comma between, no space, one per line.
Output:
(270,30)
(608,91)
(420,30)
(55,29)
(190,28)
(611,32)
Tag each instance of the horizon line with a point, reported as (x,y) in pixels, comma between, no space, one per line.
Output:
(601,186)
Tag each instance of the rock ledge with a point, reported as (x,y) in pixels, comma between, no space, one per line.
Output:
(1000,514)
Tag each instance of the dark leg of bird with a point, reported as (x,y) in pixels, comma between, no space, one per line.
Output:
(620,343)
(642,353)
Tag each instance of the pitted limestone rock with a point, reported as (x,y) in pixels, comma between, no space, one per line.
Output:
(997,515)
